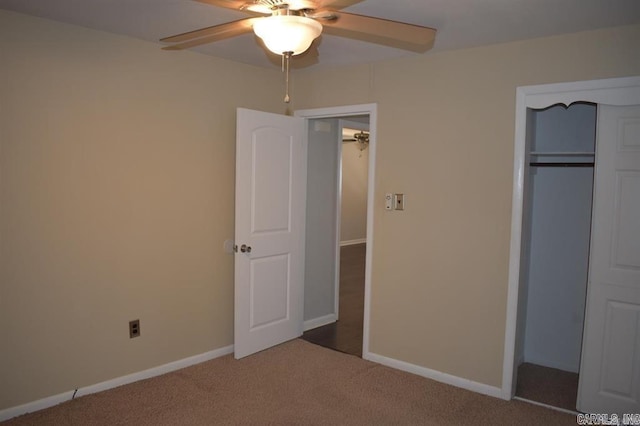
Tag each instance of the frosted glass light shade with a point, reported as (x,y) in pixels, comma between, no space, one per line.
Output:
(287,33)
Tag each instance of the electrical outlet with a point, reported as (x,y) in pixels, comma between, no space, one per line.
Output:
(134,328)
(388,201)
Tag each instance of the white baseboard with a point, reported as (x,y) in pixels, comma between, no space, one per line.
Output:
(352,242)
(436,375)
(319,322)
(550,407)
(40,404)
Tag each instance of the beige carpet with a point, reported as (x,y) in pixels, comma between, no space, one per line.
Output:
(296,383)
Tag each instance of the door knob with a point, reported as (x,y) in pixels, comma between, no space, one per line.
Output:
(245,248)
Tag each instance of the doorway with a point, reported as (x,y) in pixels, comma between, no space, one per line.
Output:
(337,276)
(344,333)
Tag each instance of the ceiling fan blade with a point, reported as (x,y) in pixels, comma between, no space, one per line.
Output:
(262,7)
(335,4)
(380,31)
(229,4)
(209,34)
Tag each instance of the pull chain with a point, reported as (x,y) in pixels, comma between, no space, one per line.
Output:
(286,59)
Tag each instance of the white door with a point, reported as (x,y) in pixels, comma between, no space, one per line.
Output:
(269,235)
(610,368)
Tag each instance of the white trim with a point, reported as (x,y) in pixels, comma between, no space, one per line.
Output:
(353,242)
(338,224)
(614,91)
(542,404)
(41,404)
(372,111)
(319,322)
(438,376)
(508,373)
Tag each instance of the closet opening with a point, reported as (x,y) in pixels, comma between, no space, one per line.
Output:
(558,194)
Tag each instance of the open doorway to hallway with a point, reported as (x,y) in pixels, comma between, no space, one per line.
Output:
(347,141)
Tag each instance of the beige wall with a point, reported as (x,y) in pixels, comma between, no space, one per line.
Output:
(115,163)
(116,194)
(445,137)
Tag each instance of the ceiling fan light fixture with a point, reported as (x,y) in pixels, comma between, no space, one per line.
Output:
(287,33)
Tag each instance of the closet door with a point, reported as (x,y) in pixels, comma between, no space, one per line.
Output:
(610,369)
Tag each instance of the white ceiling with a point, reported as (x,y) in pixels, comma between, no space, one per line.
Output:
(460,23)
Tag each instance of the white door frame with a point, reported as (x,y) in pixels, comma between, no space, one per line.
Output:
(345,111)
(616,91)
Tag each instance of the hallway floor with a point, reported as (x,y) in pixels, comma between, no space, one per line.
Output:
(547,385)
(345,335)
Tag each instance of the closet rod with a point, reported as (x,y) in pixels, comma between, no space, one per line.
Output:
(537,164)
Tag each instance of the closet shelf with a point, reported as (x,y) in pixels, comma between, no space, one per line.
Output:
(563,154)
(558,164)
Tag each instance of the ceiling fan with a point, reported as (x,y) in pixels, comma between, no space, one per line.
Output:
(288,27)
(361,137)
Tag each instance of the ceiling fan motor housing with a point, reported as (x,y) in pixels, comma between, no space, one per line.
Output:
(271,6)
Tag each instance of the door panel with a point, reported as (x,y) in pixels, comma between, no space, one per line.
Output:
(626,247)
(271,195)
(621,326)
(270,283)
(610,370)
(270,218)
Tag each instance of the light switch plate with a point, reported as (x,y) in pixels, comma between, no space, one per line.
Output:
(399,201)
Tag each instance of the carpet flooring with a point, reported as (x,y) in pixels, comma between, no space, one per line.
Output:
(296,383)
(345,335)
(547,385)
